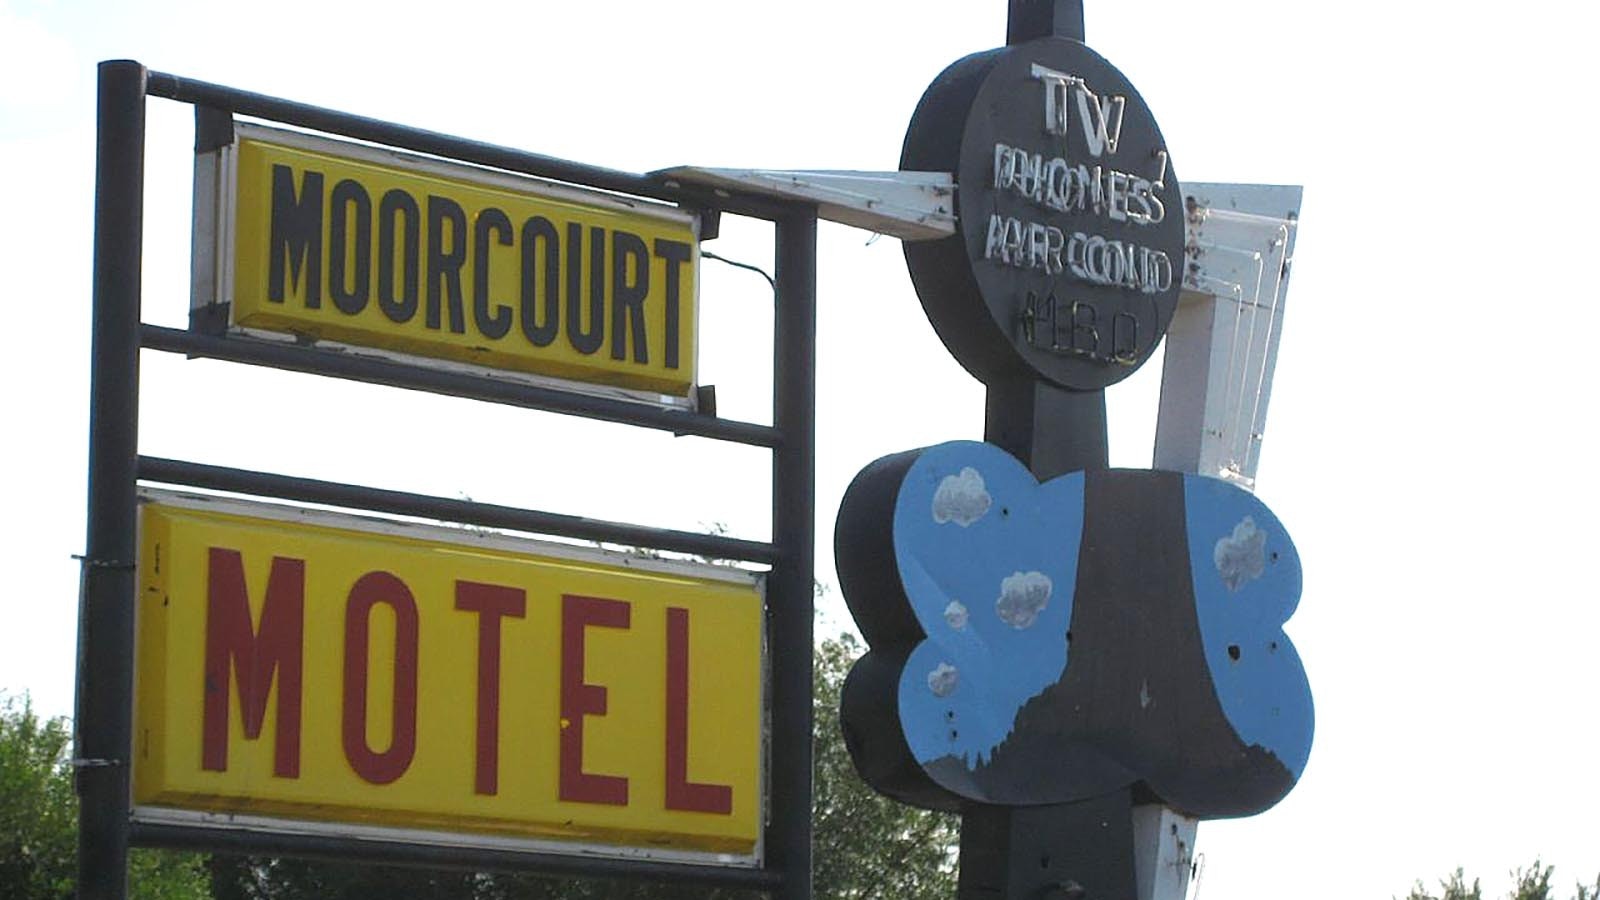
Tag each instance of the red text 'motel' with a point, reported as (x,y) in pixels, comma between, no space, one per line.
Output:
(238,651)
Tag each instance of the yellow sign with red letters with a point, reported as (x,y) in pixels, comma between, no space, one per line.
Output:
(332,241)
(334,669)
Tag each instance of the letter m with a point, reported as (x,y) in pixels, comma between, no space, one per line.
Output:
(296,236)
(237,651)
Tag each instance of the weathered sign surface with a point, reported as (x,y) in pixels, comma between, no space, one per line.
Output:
(1049,643)
(332,669)
(1068,254)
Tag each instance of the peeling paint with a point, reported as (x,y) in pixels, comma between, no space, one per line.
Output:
(962,499)
(1241,557)
(943,679)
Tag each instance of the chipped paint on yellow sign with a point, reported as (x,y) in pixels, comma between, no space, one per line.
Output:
(297,665)
(347,243)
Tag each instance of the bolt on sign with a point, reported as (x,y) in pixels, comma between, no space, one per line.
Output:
(344,672)
(332,241)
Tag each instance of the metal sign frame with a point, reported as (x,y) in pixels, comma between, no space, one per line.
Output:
(107,601)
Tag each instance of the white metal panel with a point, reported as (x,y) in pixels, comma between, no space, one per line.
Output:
(912,206)
(1163,852)
(1223,343)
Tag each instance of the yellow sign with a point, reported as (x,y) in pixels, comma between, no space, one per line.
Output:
(424,678)
(341,242)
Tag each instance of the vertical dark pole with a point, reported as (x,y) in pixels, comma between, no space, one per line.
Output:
(1074,851)
(1063,851)
(1051,430)
(1069,851)
(104,719)
(1031,19)
(789,590)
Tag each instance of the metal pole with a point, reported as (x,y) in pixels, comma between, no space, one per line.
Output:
(1071,851)
(1063,851)
(793,530)
(104,719)
(1033,19)
(1049,429)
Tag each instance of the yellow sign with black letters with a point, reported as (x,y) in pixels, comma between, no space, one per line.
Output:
(333,241)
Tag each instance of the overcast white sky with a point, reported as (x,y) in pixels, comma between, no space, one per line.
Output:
(1432,419)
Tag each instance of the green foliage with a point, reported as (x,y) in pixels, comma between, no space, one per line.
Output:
(38,815)
(867,847)
(1532,883)
(1455,888)
(167,875)
(39,820)
(234,878)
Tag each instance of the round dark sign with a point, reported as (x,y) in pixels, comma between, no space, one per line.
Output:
(1068,250)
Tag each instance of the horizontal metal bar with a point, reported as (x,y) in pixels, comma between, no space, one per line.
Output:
(296,358)
(202,93)
(417,855)
(468,512)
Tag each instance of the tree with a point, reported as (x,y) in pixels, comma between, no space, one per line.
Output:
(39,820)
(867,847)
(241,878)
(1455,888)
(1532,883)
(38,837)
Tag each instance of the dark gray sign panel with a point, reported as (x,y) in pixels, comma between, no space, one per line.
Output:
(1070,225)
